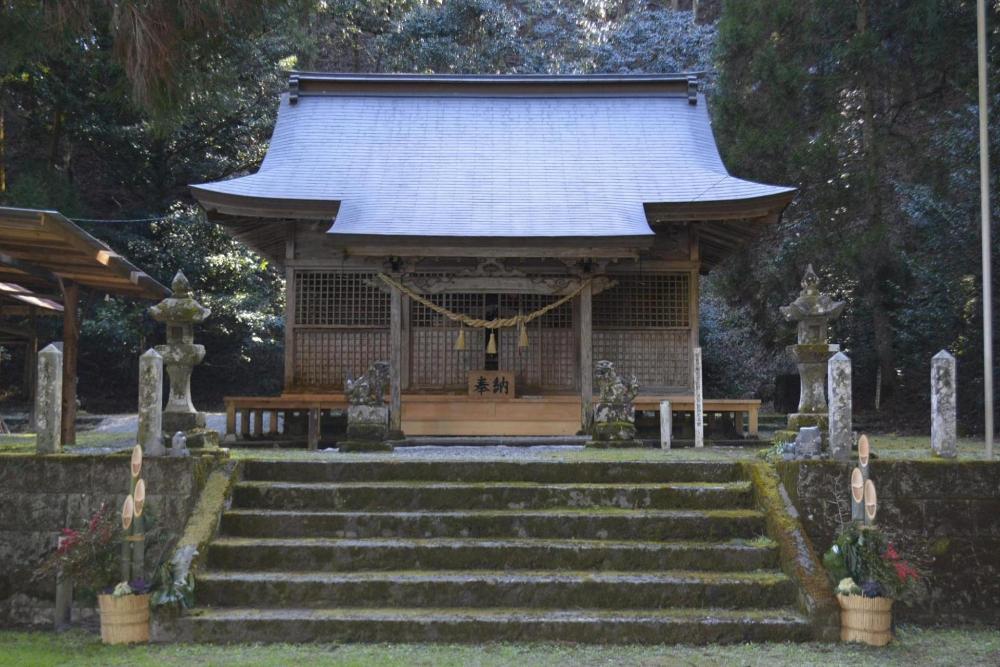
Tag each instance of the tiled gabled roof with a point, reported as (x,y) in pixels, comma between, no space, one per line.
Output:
(486,157)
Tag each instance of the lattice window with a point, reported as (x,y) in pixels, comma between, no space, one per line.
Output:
(650,300)
(330,299)
(434,361)
(660,359)
(549,361)
(325,357)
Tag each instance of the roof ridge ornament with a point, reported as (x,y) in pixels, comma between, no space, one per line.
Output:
(692,89)
(293,88)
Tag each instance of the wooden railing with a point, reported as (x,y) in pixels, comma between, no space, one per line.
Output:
(737,406)
(251,411)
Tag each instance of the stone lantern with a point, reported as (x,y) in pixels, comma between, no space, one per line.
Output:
(180,312)
(813,312)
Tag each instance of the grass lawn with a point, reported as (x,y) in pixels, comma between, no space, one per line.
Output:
(24,443)
(887,446)
(914,647)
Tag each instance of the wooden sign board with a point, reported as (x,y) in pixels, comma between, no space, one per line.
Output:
(491,385)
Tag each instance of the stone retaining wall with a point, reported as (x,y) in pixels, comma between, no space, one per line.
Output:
(952,507)
(39,495)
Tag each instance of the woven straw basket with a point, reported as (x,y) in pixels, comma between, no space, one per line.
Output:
(866,620)
(125,619)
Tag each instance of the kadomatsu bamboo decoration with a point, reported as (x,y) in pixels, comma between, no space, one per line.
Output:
(133,523)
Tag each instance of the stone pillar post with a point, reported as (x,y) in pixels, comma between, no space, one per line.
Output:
(839,391)
(699,400)
(48,401)
(943,405)
(666,425)
(150,435)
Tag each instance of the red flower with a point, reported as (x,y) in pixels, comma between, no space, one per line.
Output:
(905,571)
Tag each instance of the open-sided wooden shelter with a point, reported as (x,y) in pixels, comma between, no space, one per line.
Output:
(395,202)
(45,260)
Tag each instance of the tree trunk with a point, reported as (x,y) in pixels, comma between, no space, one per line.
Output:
(875,256)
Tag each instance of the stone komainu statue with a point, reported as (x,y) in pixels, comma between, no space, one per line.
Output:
(369,388)
(616,394)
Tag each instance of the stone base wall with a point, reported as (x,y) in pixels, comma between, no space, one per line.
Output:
(40,495)
(951,507)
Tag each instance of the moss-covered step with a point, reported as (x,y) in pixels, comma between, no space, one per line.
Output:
(613,524)
(326,555)
(411,495)
(475,589)
(666,626)
(551,472)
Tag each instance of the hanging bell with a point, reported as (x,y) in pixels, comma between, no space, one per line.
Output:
(522,339)
(460,341)
(491,347)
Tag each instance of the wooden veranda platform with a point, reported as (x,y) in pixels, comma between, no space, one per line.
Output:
(455,415)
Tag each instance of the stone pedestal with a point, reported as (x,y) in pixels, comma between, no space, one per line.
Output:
(367,429)
(613,435)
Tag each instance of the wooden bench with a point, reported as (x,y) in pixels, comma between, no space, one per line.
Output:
(254,407)
(737,406)
(439,414)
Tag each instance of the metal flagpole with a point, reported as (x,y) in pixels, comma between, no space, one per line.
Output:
(984,196)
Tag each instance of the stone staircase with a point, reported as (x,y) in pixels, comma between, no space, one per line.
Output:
(474,551)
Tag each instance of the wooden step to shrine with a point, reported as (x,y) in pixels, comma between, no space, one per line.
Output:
(474,551)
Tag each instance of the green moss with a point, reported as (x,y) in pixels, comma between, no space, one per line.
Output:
(796,554)
(939,547)
(204,519)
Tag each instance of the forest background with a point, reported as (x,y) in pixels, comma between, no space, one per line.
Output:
(110,108)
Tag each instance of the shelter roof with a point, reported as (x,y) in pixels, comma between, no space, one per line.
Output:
(38,249)
(537,158)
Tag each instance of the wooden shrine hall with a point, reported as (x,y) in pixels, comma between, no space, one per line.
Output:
(490,231)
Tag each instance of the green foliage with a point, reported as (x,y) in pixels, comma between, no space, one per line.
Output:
(99,124)
(865,555)
(88,555)
(875,123)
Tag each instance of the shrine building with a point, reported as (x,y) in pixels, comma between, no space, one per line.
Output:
(497,231)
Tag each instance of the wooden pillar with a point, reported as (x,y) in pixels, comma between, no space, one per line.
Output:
(258,422)
(586,357)
(31,367)
(71,342)
(230,421)
(404,372)
(395,361)
(314,433)
(289,308)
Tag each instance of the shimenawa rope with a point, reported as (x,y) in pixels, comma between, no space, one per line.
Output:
(496,323)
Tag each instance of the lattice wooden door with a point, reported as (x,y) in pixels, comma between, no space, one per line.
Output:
(546,365)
